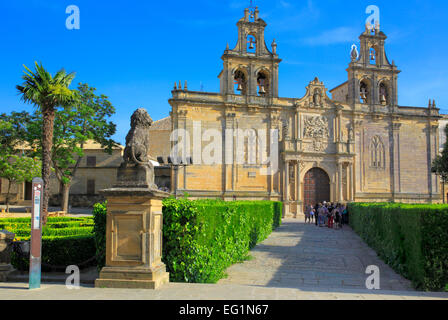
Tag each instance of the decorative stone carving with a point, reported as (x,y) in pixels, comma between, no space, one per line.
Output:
(319,145)
(286,130)
(354,53)
(351,133)
(136,170)
(134,217)
(315,96)
(316,127)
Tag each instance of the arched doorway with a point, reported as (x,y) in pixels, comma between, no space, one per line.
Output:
(316,187)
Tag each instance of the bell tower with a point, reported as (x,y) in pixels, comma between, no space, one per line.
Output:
(372,79)
(250,68)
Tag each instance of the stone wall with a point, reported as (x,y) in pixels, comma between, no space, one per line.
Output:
(77,200)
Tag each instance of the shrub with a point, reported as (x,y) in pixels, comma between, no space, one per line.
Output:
(412,239)
(202,238)
(65,241)
(99,230)
(60,252)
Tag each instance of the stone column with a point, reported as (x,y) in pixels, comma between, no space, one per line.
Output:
(352,184)
(6,239)
(396,158)
(340,187)
(299,190)
(286,189)
(275,123)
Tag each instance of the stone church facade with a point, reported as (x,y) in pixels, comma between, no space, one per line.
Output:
(357,145)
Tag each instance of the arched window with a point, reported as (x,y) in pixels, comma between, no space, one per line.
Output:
(240,82)
(364,92)
(377,156)
(373,56)
(251,44)
(263,83)
(383,93)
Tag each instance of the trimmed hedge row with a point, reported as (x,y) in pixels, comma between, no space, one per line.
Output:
(202,238)
(65,241)
(56,232)
(412,239)
(60,252)
(99,231)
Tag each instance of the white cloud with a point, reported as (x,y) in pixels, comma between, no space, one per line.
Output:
(338,35)
(285,4)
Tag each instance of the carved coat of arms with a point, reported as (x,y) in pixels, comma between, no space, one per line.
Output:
(316,127)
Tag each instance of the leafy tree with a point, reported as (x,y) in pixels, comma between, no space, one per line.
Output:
(440,165)
(17,169)
(13,130)
(47,92)
(13,167)
(86,119)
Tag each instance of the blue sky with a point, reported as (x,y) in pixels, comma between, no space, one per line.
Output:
(133,51)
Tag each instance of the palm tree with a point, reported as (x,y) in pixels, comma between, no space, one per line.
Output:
(46,92)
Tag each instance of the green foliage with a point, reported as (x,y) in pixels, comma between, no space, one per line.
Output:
(100,218)
(60,251)
(202,238)
(83,120)
(56,227)
(440,163)
(65,241)
(13,130)
(42,89)
(412,239)
(18,169)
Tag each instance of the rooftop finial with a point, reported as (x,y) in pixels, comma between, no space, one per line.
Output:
(274,47)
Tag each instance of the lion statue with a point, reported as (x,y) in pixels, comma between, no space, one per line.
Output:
(137,140)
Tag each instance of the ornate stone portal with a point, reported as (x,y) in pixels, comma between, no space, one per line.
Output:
(134,218)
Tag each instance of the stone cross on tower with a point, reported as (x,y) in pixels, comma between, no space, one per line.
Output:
(252,8)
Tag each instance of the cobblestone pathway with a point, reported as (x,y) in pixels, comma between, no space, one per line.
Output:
(299,255)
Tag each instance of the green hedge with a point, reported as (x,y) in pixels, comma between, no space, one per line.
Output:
(60,252)
(100,218)
(412,239)
(202,238)
(65,241)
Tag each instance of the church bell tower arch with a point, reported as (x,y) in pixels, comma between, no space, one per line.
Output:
(252,55)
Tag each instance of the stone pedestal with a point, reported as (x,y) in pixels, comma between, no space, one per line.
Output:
(133,239)
(6,239)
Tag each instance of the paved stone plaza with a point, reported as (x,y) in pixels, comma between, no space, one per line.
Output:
(301,255)
(297,262)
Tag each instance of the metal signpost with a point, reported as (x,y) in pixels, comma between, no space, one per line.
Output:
(36,234)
